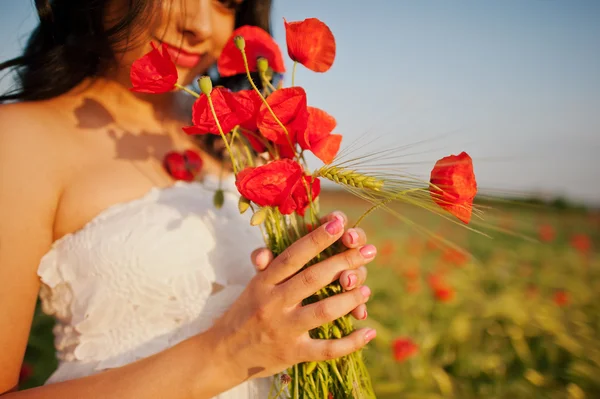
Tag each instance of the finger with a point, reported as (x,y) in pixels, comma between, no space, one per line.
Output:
(360,312)
(294,257)
(350,279)
(315,277)
(332,308)
(329,349)
(261,258)
(332,215)
(354,237)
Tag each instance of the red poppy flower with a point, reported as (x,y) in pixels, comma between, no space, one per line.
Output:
(444,294)
(582,243)
(318,138)
(561,298)
(258,44)
(183,166)
(229,110)
(455,257)
(289,104)
(268,185)
(547,233)
(453,186)
(311,43)
(251,101)
(286,151)
(404,348)
(299,199)
(154,73)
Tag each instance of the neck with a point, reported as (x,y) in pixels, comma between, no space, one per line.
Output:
(136,109)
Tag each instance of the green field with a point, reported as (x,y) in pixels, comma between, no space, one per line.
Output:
(521,319)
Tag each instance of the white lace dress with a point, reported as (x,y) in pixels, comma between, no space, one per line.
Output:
(146,274)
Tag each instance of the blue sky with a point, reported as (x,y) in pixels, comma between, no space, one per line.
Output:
(515,83)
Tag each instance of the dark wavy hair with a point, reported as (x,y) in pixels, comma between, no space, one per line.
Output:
(72,43)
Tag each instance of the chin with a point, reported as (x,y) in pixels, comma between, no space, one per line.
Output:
(187,76)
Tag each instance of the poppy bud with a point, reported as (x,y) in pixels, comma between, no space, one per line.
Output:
(262,65)
(240,43)
(243,204)
(310,367)
(219,199)
(205,85)
(285,379)
(259,217)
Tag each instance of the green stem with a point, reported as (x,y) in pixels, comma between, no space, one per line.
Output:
(193,93)
(294,72)
(382,203)
(281,125)
(214,113)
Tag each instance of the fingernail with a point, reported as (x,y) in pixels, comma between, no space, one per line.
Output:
(365,291)
(364,314)
(335,226)
(351,280)
(368,251)
(340,217)
(370,334)
(353,236)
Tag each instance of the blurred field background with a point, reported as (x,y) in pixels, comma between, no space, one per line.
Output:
(521,319)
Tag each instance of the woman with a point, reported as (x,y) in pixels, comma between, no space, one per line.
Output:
(148,281)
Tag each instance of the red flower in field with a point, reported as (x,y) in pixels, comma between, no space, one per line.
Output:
(582,243)
(289,105)
(561,298)
(25,373)
(412,272)
(413,287)
(404,348)
(230,113)
(329,395)
(318,138)
(154,73)
(455,257)
(444,294)
(183,166)
(547,233)
(311,43)
(435,281)
(258,44)
(453,185)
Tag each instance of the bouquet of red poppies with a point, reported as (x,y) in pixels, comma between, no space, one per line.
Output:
(267,132)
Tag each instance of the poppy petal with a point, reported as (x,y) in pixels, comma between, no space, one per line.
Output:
(311,43)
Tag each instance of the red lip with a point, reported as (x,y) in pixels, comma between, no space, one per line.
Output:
(183,58)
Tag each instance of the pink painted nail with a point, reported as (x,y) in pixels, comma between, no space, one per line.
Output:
(368,251)
(370,334)
(351,280)
(353,236)
(364,314)
(335,226)
(365,291)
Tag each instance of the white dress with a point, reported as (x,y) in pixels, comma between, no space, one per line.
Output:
(146,274)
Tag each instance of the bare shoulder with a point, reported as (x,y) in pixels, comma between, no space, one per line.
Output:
(30,159)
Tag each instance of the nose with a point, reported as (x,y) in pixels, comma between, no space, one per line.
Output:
(197,20)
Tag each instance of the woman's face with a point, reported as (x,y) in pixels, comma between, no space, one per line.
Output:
(195,32)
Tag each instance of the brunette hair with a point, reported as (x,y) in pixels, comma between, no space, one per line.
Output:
(72,43)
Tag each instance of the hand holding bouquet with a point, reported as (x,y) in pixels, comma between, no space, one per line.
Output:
(267,132)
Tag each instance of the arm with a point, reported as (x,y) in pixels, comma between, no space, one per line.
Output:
(264,332)
(30,183)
